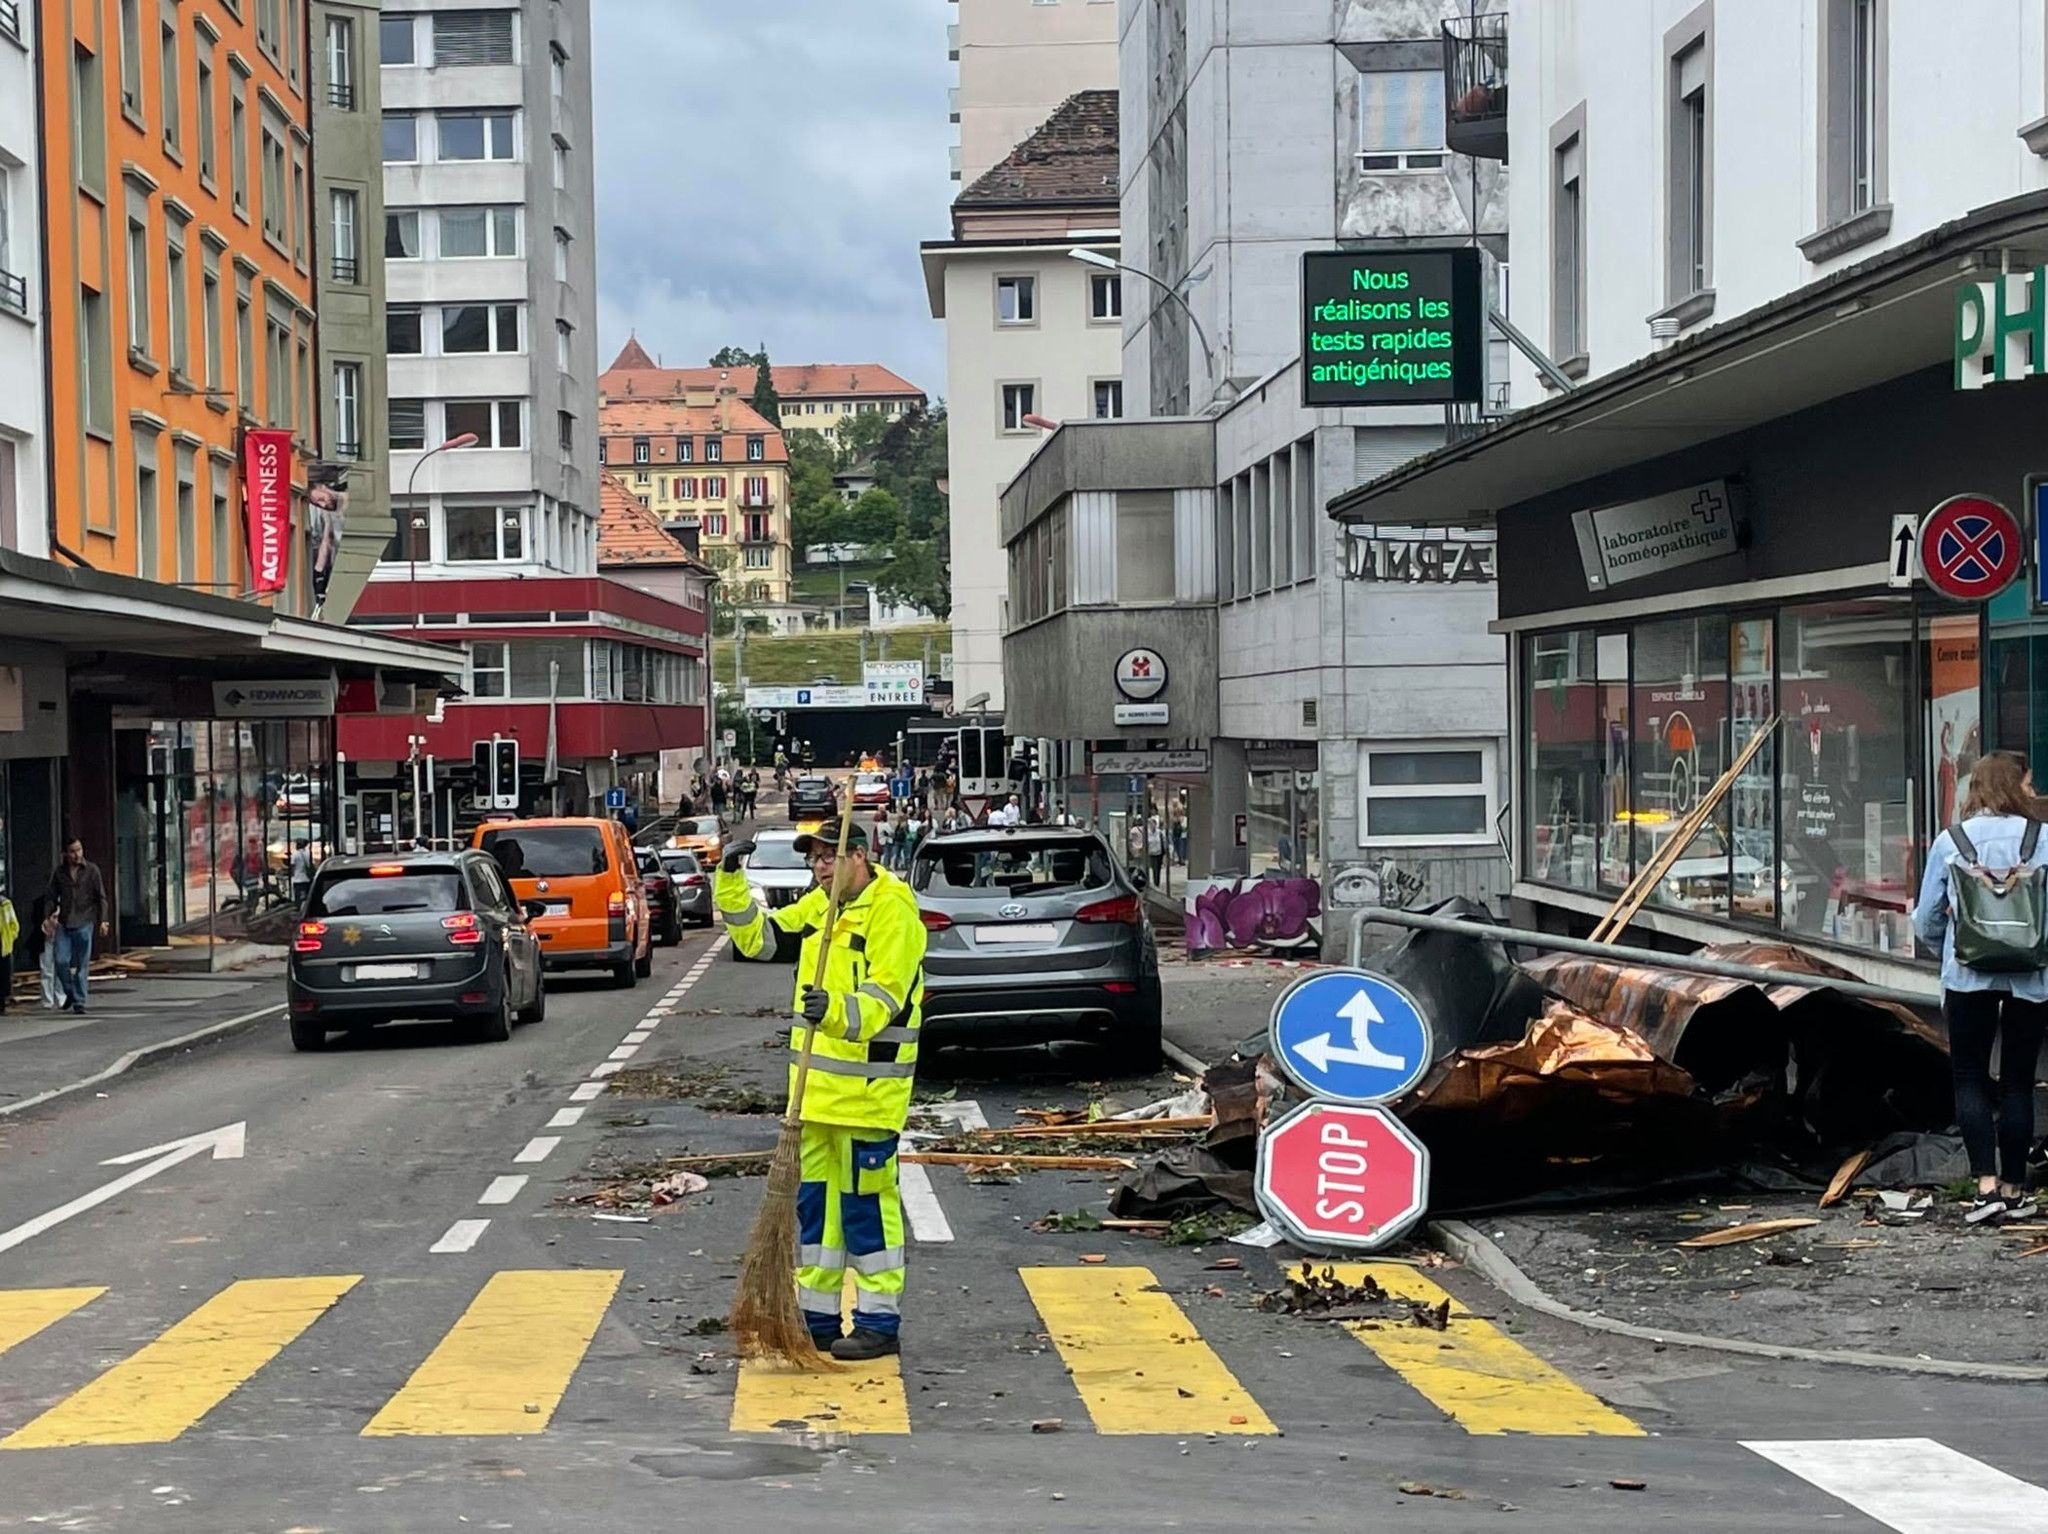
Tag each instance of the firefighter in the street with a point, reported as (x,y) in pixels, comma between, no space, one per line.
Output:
(866,1014)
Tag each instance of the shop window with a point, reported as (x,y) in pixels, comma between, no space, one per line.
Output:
(1680,751)
(1282,821)
(1845,670)
(1752,799)
(1435,793)
(1569,813)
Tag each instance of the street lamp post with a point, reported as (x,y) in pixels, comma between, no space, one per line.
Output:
(1110,264)
(412,549)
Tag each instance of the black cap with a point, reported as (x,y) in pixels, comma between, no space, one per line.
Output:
(828,838)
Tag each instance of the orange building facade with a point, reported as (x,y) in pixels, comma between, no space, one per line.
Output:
(180,251)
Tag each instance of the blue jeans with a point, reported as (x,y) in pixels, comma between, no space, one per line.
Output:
(74,962)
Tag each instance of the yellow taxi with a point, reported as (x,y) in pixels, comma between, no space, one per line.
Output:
(701,834)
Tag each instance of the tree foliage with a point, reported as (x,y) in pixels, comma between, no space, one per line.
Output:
(733,357)
(766,402)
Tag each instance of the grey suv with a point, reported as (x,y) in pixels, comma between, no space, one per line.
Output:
(1036,936)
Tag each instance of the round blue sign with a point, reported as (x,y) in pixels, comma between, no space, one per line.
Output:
(1351,1036)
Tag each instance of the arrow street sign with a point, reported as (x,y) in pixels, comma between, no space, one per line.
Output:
(226,1143)
(1351,1035)
(1905,550)
(1334,1175)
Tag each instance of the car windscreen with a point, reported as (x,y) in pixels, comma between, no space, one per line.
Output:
(779,853)
(546,852)
(647,862)
(700,825)
(1001,869)
(681,863)
(366,894)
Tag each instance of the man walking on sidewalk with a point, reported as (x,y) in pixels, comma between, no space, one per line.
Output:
(866,1016)
(78,899)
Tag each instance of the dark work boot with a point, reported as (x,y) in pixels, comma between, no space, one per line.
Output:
(864,1344)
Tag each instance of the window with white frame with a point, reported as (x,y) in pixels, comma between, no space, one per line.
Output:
(1427,793)
(348,410)
(175,285)
(1018,400)
(475,534)
(343,224)
(1401,120)
(561,255)
(757,449)
(478,231)
(1017,300)
(402,331)
(401,234)
(474,135)
(397,39)
(714,450)
(496,423)
(1688,187)
(1109,399)
(564,333)
(643,451)
(408,425)
(138,272)
(488,671)
(1854,129)
(467,328)
(473,37)
(1105,296)
(401,138)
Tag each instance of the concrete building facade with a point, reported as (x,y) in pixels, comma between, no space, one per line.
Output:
(348,284)
(1018,60)
(1032,339)
(24,502)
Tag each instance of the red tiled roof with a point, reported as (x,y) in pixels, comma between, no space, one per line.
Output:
(661,421)
(1071,158)
(810,380)
(634,355)
(629,534)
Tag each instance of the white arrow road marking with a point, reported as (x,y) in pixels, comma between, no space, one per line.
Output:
(225,1143)
(1361,1014)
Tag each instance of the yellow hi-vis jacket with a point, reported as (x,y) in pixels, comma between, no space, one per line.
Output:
(866,1054)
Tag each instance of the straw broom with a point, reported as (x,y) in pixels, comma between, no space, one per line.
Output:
(766,1320)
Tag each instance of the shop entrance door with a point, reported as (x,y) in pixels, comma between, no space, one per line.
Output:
(149,860)
(379,812)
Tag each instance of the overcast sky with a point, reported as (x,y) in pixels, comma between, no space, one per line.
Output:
(765,172)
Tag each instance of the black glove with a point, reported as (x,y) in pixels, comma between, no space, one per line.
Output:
(815,1004)
(735,855)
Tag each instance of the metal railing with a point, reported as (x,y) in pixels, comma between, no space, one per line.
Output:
(13,289)
(1688,963)
(1476,86)
(341,95)
(347,269)
(10,19)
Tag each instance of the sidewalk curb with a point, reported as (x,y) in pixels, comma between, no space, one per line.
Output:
(145,1055)
(1476,1252)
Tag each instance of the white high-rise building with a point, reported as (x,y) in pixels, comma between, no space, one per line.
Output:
(24,515)
(1018,60)
(489,229)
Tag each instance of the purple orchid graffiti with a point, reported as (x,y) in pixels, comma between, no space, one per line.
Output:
(1254,913)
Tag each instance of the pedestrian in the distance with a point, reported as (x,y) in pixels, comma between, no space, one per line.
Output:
(718,797)
(1998,831)
(302,871)
(1155,845)
(42,951)
(78,900)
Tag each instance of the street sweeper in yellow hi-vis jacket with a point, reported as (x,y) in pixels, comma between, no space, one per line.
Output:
(866,1014)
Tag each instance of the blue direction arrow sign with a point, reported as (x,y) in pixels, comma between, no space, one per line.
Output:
(615,798)
(1351,1036)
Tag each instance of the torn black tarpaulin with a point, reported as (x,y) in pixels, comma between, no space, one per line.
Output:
(1174,1184)
(1468,987)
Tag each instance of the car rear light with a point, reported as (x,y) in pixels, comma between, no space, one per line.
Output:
(304,1005)
(463,928)
(1124,909)
(934,921)
(309,938)
(615,904)
(1120,988)
(691,881)
(475,998)
(385,870)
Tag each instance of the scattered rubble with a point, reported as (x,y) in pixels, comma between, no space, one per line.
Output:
(1326,1297)
(709,1086)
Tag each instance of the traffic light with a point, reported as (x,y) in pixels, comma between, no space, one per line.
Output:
(497,774)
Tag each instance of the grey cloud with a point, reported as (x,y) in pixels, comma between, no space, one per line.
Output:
(765,172)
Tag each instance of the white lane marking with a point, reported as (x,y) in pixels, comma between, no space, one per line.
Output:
(587,1091)
(462,1235)
(567,1118)
(502,1190)
(624,1052)
(648,1025)
(638,1036)
(921,1204)
(1913,1485)
(609,1068)
(536,1149)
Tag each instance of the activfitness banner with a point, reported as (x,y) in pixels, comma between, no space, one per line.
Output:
(267,506)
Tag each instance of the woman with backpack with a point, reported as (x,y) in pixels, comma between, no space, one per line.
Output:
(1983,903)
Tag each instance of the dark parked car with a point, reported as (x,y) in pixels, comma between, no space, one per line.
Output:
(1036,936)
(690,879)
(813,798)
(659,888)
(421,935)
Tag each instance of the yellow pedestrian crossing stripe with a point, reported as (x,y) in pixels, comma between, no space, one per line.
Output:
(503,1368)
(1135,1363)
(24,1312)
(1486,1381)
(852,1398)
(1136,1358)
(169,1384)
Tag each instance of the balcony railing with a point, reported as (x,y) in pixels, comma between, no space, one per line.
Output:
(10,19)
(341,95)
(347,269)
(1476,86)
(13,289)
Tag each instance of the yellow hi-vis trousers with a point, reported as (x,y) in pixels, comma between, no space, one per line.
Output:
(849,1215)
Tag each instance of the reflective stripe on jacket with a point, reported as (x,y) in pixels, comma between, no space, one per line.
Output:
(866,1054)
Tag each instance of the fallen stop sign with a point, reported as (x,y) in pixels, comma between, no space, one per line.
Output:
(1331,1174)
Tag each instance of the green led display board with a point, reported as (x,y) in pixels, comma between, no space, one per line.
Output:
(1392,327)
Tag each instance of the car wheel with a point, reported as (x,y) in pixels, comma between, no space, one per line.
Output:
(495,1027)
(644,965)
(1135,1050)
(539,1010)
(622,974)
(309,1035)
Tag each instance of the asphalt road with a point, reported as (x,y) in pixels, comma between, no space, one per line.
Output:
(271,1342)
